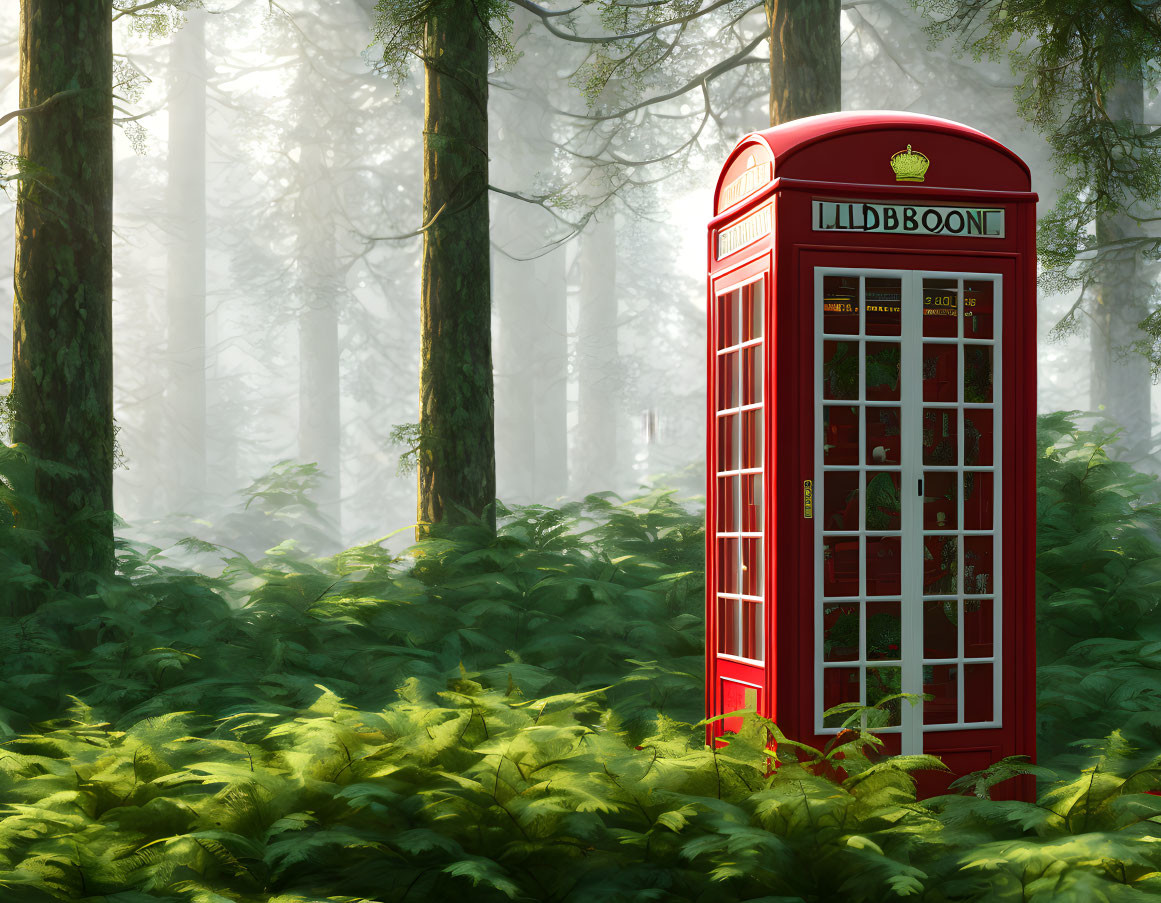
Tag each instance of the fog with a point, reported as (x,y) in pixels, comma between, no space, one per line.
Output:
(306,242)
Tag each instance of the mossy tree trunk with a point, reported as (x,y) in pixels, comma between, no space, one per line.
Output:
(805,59)
(457,460)
(62,318)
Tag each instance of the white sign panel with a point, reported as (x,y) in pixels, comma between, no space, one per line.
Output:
(742,233)
(857,216)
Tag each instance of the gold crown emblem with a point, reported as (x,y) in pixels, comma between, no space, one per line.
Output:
(909,165)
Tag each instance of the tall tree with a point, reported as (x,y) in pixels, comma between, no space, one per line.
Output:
(62,397)
(805,60)
(457,458)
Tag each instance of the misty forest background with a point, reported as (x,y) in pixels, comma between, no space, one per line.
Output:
(301,289)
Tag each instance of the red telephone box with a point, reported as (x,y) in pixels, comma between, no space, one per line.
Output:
(872,433)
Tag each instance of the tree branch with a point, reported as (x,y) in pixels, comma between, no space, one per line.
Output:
(40,107)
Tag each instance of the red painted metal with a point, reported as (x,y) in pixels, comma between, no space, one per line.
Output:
(845,156)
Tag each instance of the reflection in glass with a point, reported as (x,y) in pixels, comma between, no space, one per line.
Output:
(752,436)
(977,437)
(729,626)
(883,566)
(882,378)
(729,446)
(939,628)
(940,308)
(978,308)
(940,442)
(753,631)
(884,631)
(940,502)
(840,370)
(840,632)
(939,682)
(752,567)
(884,306)
(839,685)
(977,564)
(977,374)
(978,497)
(840,566)
(940,372)
(751,498)
(840,434)
(727,565)
(841,500)
(881,684)
(883,435)
(940,564)
(840,305)
(883,500)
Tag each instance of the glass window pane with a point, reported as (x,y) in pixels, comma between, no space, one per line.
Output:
(884,500)
(940,442)
(977,437)
(751,375)
(727,566)
(753,631)
(940,372)
(978,499)
(940,500)
(883,566)
(751,502)
(977,693)
(728,381)
(939,682)
(978,627)
(727,504)
(883,435)
(752,438)
(839,685)
(729,449)
(939,628)
(753,301)
(840,434)
(881,683)
(940,564)
(729,626)
(940,308)
(841,500)
(752,567)
(977,374)
(840,305)
(884,306)
(977,564)
(728,309)
(840,370)
(884,631)
(840,566)
(978,307)
(840,632)
(882,377)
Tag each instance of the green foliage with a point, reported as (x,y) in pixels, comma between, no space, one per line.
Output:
(514,716)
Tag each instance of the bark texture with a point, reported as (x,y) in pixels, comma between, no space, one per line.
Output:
(186,265)
(805,62)
(62,318)
(1121,381)
(457,460)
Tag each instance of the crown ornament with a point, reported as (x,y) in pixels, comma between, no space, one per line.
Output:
(909,165)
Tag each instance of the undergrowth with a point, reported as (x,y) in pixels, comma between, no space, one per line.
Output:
(513,716)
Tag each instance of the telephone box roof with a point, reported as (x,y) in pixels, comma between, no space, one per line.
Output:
(850,147)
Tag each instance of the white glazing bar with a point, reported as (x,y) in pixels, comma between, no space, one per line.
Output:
(911,572)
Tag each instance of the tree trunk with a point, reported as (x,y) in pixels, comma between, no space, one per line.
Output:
(186,260)
(457,461)
(1121,380)
(598,362)
(805,60)
(62,324)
